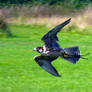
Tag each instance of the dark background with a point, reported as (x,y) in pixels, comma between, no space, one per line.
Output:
(77,4)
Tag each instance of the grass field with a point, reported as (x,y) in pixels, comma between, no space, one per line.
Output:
(20,73)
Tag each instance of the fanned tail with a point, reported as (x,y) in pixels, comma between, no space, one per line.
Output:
(71,54)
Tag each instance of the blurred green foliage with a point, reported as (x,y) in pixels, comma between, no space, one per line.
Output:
(77,4)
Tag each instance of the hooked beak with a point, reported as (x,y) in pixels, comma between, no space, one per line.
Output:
(34,49)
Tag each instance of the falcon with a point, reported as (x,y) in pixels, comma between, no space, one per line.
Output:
(52,50)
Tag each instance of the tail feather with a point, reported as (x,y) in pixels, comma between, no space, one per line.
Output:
(72,54)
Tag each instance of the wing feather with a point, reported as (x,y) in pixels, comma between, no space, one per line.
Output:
(52,34)
(45,63)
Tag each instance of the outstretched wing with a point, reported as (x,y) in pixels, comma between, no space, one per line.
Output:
(45,63)
(50,38)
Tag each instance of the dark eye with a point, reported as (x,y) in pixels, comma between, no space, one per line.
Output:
(39,48)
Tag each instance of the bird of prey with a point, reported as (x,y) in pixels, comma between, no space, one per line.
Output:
(51,50)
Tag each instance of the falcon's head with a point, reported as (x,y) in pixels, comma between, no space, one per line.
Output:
(38,49)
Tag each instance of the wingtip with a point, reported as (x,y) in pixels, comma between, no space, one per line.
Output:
(69,19)
(57,75)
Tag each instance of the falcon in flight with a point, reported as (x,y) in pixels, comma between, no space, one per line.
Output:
(51,50)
